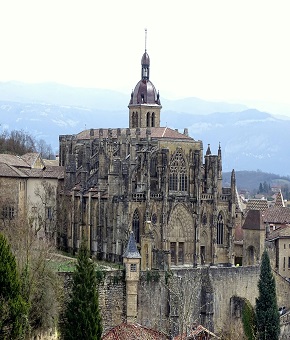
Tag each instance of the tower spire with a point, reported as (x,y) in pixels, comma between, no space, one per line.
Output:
(145,39)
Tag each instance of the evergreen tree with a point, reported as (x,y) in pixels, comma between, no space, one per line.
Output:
(13,309)
(82,319)
(268,319)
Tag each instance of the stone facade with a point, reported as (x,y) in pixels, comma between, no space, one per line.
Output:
(152,180)
(29,192)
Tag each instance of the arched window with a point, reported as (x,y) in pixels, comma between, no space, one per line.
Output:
(136,225)
(220,229)
(153,119)
(148,119)
(135,119)
(178,174)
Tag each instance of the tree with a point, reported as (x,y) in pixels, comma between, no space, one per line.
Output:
(268,320)
(40,286)
(249,321)
(13,309)
(82,319)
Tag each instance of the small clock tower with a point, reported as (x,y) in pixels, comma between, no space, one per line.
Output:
(131,260)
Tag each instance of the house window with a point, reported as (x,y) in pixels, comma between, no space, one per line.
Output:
(178,175)
(133,267)
(220,229)
(8,213)
(49,213)
(136,225)
(284,246)
(284,262)
(288,262)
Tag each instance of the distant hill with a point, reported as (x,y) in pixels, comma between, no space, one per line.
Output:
(249,139)
(250,180)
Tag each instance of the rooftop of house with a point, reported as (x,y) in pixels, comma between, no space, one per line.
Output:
(29,165)
(254,220)
(282,232)
(133,331)
(277,215)
(196,333)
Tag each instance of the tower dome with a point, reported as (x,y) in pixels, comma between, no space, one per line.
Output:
(145,92)
(144,106)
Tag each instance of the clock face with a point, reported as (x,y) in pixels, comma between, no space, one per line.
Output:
(154,218)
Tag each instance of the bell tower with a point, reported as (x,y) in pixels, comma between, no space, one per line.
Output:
(144,106)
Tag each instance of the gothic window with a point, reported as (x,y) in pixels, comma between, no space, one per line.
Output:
(178,174)
(136,225)
(148,119)
(153,119)
(154,218)
(220,229)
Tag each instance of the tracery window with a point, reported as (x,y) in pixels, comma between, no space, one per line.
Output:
(136,225)
(220,229)
(178,175)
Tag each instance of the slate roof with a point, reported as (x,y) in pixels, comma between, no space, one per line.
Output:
(133,331)
(254,220)
(132,251)
(156,133)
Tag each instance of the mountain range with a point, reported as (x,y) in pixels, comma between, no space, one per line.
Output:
(249,139)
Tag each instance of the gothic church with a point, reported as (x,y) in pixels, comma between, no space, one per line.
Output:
(152,180)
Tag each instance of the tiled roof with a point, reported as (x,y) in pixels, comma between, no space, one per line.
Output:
(278,215)
(254,220)
(133,331)
(132,251)
(30,158)
(257,204)
(197,331)
(16,161)
(282,232)
(156,133)
(48,172)
(10,171)
(279,202)
(16,166)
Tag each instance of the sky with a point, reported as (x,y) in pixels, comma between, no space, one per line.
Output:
(222,50)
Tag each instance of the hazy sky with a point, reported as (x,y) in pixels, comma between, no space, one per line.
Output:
(223,50)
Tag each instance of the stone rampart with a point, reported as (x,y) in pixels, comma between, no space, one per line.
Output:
(171,301)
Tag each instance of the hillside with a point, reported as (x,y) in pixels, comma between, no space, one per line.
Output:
(250,180)
(249,139)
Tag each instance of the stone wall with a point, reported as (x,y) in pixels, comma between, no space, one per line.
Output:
(171,301)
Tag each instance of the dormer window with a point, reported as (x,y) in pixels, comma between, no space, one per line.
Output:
(133,267)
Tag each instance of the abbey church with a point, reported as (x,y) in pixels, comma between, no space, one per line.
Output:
(155,181)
